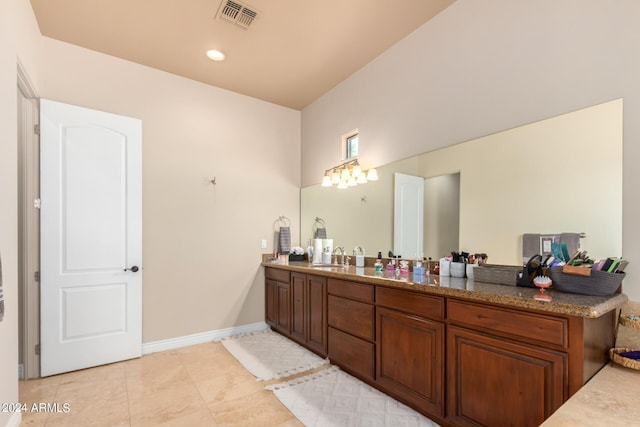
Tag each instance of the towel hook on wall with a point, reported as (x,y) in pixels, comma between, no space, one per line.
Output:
(213,181)
(282,221)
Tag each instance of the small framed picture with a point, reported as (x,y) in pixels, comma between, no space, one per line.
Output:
(545,244)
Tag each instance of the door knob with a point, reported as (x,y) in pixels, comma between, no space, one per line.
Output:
(133,269)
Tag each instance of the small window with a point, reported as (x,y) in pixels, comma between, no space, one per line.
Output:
(352,146)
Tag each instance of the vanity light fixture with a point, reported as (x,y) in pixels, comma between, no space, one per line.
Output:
(348,174)
(215,55)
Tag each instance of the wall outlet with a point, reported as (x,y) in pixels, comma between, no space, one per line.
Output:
(263,244)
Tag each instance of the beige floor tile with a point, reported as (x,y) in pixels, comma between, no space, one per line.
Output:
(150,364)
(229,386)
(93,413)
(201,385)
(33,420)
(261,409)
(294,422)
(221,365)
(204,349)
(36,391)
(162,378)
(166,405)
(201,418)
(78,393)
(114,371)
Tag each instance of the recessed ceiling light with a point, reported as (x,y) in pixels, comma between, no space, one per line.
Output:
(215,55)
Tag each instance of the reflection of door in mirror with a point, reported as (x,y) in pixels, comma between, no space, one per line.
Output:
(408,214)
(441,215)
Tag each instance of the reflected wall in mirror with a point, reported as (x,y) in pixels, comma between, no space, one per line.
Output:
(563,174)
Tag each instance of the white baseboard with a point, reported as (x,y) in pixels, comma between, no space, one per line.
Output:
(15,420)
(172,343)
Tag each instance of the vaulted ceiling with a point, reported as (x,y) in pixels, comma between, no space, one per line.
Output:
(290,53)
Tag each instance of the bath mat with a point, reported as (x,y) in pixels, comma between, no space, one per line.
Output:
(268,355)
(334,398)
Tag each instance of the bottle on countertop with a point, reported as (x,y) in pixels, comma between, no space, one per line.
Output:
(310,251)
(378,265)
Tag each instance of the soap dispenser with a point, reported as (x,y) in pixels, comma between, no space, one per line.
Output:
(378,265)
(358,252)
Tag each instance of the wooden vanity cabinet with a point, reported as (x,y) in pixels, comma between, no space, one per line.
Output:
(278,300)
(456,360)
(309,311)
(515,367)
(410,350)
(351,331)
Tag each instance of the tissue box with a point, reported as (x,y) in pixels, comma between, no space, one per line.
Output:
(293,257)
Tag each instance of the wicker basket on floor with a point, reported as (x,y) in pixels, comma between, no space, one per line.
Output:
(614,355)
(626,320)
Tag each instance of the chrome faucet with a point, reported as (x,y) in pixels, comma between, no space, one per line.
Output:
(341,249)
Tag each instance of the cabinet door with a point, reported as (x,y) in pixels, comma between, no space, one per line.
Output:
(410,359)
(317,314)
(494,382)
(298,307)
(283,318)
(271,300)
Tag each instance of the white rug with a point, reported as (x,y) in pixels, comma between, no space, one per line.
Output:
(334,398)
(269,355)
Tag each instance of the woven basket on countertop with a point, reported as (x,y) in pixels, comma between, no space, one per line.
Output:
(614,355)
(599,283)
(500,274)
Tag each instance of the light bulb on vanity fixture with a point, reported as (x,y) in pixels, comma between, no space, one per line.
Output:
(348,174)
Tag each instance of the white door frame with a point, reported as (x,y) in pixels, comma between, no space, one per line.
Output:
(29,232)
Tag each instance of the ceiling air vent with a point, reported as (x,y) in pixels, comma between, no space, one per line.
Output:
(237,13)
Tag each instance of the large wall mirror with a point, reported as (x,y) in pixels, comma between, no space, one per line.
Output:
(563,174)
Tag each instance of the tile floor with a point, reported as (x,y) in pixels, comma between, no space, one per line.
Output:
(201,385)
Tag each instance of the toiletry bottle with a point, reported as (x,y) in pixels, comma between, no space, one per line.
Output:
(310,251)
(378,265)
(404,267)
(391,266)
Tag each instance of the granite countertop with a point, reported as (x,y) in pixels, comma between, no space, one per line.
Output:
(562,303)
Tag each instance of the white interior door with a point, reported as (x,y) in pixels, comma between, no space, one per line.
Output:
(91,237)
(408,215)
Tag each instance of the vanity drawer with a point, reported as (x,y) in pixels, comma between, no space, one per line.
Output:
(410,302)
(356,291)
(552,330)
(351,353)
(356,318)
(277,274)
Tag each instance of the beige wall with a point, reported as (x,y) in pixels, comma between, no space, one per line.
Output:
(482,67)
(201,243)
(19,38)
